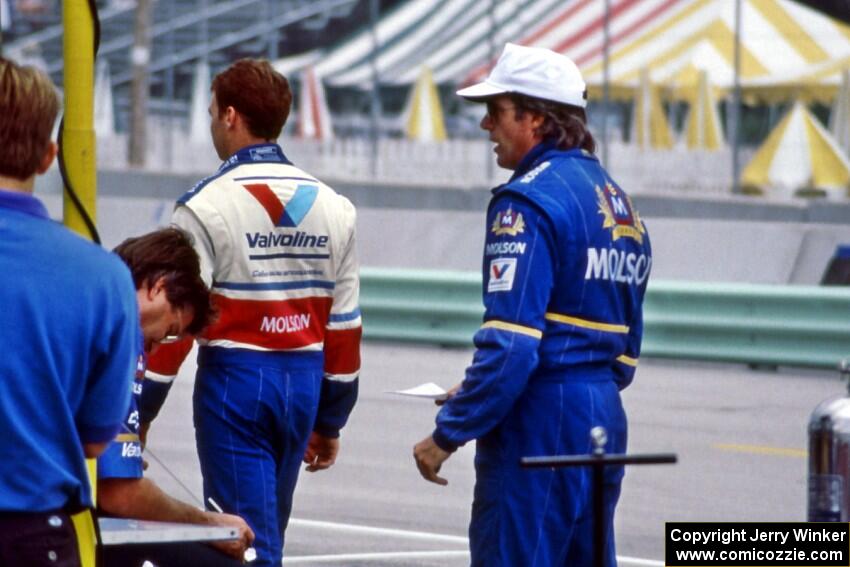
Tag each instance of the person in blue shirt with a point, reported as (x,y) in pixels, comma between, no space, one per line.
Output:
(173,302)
(566,263)
(70,332)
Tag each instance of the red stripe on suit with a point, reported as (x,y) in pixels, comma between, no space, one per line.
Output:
(166,359)
(342,351)
(277,325)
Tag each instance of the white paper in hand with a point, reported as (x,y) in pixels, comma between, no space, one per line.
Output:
(428,390)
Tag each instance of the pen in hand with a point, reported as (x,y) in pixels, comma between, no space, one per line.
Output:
(250,553)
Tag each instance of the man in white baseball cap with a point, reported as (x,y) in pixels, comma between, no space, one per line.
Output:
(535,72)
(566,263)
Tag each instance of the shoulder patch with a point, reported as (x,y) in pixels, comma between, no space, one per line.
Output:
(618,213)
(508,222)
(501,274)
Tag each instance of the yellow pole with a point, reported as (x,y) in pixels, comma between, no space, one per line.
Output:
(78,142)
(78,139)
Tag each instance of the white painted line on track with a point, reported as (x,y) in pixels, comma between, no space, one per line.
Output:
(397,555)
(381,556)
(354,528)
(408,534)
(637,561)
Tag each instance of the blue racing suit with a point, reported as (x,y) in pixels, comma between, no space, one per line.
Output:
(566,264)
(123,457)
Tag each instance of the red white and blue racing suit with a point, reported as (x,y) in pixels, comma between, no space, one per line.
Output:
(566,264)
(277,247)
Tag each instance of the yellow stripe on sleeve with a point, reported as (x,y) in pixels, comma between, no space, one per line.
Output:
(627,360)
(514,328)
(126,437)
(584,323)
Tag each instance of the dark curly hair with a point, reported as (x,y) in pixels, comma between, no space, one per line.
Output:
(563,124)
(168,253)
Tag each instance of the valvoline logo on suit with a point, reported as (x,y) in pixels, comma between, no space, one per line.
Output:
(291,214)
(288,215)
(502,272)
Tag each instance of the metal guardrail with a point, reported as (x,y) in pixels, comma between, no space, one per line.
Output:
(755,324)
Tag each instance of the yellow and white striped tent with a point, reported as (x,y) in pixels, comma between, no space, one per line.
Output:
(674,39)
(650,128)
(820,82)
(424,115)
(703,130)
(798,156)
(779,39)
(839,117)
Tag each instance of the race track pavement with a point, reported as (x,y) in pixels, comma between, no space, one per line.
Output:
(739,433)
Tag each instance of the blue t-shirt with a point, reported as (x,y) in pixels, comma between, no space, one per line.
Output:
(123,457)
(69,326)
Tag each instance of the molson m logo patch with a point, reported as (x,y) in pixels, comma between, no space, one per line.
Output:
(291,214)
(619,214)
(508,222)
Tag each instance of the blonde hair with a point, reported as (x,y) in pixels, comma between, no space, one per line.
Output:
(29,105)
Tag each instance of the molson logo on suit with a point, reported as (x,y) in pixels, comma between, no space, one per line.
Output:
(614,264)
(499,248)
(285,323)
(617,265)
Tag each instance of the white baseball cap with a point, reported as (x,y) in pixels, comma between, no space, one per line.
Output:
(535,72)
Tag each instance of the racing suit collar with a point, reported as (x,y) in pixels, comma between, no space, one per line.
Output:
(537,154)
(532,157)
(22,202)
(256,153)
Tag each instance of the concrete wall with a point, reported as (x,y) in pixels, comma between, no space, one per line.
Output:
(731,239)
(683,249)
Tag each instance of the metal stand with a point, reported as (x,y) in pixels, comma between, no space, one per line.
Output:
(598,460)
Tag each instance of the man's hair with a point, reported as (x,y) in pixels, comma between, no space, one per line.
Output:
(168,253)
(564,125)
(28,109)
(258,92)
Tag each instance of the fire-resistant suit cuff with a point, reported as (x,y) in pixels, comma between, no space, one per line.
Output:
(443,442)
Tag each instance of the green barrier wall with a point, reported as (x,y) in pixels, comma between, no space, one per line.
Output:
(755,324)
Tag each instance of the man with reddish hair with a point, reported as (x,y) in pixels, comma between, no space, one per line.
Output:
(278,371)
